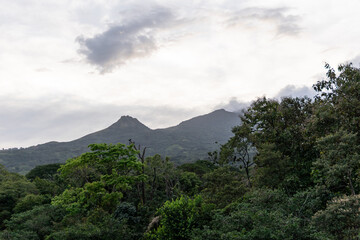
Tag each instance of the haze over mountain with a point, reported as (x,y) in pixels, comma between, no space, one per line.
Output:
(188,141)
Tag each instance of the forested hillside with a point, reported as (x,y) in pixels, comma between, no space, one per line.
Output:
(302,182)
(186,142)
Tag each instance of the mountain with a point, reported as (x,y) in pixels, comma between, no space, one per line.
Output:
(188,141)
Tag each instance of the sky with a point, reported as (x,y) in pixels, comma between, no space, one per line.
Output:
(69,68)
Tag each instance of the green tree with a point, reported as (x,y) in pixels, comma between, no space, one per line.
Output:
(222,186)
(340,94)
(240,149)
(43,171)
(49,187)
(260,214)
(277,130)
(97,225)
(340,219)
(190,183)
(200,167)
(162,178)
(35,224)
(179,217)
(105,172)
(30,201)
(13,187)
(339,162)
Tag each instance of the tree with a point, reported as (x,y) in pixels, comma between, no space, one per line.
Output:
(141,156)
(162,177)
(190,183)
(278,132)
(260,214)
(43,171)
(223,185)
(104,174)
(13,187)
(340,219)
(200,167)
(339,162)
(30,201)
(179,217)
(36,223)
(339,95)
(239,149)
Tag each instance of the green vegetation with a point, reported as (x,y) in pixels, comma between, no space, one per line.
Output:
(291,170)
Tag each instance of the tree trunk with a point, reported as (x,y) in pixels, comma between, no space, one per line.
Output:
(350,183)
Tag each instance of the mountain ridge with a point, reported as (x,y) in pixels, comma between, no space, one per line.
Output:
(188,141)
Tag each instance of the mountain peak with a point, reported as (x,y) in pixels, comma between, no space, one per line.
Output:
(127,118)
(219,110)
(127,121)
(219,119)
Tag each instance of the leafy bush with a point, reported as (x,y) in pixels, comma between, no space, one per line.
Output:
(179,217)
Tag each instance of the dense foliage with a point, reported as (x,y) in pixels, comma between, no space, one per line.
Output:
(290,171)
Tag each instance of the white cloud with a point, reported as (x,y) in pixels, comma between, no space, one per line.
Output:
(286,24)
(356,61)
(295,91)
(234,105)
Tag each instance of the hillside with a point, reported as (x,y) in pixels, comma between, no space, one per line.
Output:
(186,142)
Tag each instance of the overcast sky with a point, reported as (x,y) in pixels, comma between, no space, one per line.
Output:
(68,68)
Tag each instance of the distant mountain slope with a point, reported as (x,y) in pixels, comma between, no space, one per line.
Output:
(188,141)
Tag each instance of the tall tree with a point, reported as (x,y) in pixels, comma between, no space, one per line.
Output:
(340,94)
(141,155)
(278,132)
(339,163)
(111,169)
(13,187)
(239,149)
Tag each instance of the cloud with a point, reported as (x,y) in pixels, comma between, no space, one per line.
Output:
(134,38)
(356,61)
(285,24)
(295,91)
(43,70)
(30,122)
(234,105)
(144,29)
(237,106)
(70,60)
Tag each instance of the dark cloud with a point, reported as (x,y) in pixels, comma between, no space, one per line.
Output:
(26,123)
(234,105)
(285,23)
(134,38)
(295,91)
